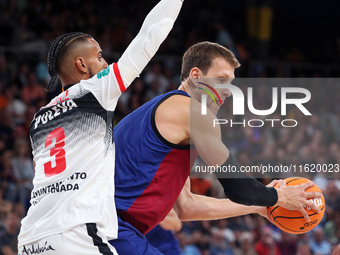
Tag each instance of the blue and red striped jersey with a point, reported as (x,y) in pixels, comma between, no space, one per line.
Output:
(150,171)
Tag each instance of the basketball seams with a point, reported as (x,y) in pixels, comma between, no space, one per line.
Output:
(296,178)
(291,231)
(273,210)
(285,217)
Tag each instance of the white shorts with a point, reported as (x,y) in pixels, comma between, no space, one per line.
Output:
(81,240)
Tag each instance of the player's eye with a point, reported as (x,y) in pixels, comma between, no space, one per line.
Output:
(225,80)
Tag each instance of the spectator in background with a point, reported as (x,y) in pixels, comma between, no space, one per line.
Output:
(137,87)
(336,250)
(6,128)
(3,99)
(219,244)
(303,249)
(334,150)
(42,73)
(224,38)
(338,236)
(295,55)
(8,235)
(29,114)
(246,241)
(332,194)
(201,237)
(134,102)
(8,186)
(33,92)
(22,32)
(153,90)
(318,244)
(222,227)
(5,208)
(16,107)
(287,245)
(22,165)
(267,245)
(5,76)
(186,245)
(22,76)
(130,100)
(332,226)
(155,75)
(201,186)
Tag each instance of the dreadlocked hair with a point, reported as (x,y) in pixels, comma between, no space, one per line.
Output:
(56,51)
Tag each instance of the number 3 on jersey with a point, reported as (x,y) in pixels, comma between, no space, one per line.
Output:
(56,139)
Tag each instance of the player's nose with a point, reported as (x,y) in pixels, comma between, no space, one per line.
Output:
(105,64)
(226,92)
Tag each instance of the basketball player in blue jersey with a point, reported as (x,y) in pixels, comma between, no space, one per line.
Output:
(153,164)
(73,209)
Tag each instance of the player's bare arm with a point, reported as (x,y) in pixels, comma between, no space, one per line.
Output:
(190,206)
(171,222)
(173,119)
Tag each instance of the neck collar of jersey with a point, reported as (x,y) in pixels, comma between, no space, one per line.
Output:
(67,87)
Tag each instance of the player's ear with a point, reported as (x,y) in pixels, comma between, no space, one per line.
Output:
(81,65)
(195,73)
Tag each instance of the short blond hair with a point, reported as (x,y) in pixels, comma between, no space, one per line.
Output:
(202,54)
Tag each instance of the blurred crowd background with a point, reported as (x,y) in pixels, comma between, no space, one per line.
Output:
(271,38)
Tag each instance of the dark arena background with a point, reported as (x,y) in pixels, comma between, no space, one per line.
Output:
(277,39)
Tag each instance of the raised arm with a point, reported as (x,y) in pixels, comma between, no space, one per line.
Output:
(156,27)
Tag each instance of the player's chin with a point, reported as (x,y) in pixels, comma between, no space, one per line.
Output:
(215,109)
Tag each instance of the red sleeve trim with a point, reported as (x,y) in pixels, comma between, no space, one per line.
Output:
(118,77)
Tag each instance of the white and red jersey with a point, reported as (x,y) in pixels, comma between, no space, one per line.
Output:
(73,145)
(74,158)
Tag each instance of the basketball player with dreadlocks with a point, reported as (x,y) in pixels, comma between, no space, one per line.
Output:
(73,209)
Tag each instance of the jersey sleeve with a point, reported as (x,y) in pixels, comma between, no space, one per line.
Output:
(106,86)
(156,27)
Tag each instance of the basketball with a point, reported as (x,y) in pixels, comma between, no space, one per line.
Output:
(292,221)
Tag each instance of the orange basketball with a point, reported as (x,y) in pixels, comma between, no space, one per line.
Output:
(293,221)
